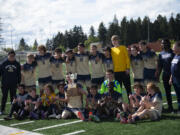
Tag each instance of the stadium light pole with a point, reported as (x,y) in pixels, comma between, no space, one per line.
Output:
(148,30)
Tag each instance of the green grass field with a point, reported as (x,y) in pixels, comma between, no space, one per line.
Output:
(169,124)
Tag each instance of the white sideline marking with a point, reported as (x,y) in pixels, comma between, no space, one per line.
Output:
(8,103)
(59,125)
(1,119)
(76,132)
(21,123)
(15,131)
(173,93)
(172,102)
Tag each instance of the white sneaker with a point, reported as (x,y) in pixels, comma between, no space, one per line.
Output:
(52,115)
(1,113)
(58,116)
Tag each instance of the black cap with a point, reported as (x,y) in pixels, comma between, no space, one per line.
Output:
(143,42)
(11,52)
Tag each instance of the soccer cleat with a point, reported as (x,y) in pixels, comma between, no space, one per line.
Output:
(94,118)
(1,113)
(8,118)
(81,116)
(58,116)
(52,116)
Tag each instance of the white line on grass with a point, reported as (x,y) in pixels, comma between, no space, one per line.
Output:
(21,123)
(59,125)
(76,132)
(172,102)
(1,119)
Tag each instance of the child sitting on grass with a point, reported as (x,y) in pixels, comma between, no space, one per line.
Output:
(18,103)
(61,102)
(92,103)
(150,105)
(46,106)
(134,103)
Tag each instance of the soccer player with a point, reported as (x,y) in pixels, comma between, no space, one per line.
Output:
(82,66)
(175,72)
(18,102)
(10,72)
(70,62)
(56,62)
(121,63)
(111,94)
(150,105)
(96,64)
(107,61)
(92,101)
(137,65)
(28,72)
(73,95)
(43,64)
(150,63)
(164,64)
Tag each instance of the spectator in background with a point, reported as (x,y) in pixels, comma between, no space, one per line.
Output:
(175,72)
(164,64)
(10,71)
(121,63)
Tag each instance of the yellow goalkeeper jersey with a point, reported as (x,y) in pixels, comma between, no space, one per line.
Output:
(120,58)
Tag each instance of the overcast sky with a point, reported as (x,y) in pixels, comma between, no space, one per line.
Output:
(41,19)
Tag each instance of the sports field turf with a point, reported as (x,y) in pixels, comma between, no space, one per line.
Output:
(168,125)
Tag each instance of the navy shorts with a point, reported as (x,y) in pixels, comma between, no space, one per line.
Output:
(97,81)
(83,77)
(58,81)
(45,80)
(149,74)
(138,80)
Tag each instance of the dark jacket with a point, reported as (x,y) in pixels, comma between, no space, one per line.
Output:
(10,72)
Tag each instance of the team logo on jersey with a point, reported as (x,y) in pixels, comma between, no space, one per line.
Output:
(175,61)
(165,56)
(10,68)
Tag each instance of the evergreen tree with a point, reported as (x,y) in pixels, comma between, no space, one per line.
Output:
(35,45)
(22,44)
(92,32)
(102,33)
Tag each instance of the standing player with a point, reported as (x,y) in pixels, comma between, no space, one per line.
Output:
(96,62)
(150,63)
(43,64)
(107,61)
(121,63)
(10,72)
(137,65)
(56,62)
(82,66)
(164,63)
(70,62)
(29,72)
(175,71)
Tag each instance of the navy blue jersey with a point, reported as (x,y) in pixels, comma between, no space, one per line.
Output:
(55,61)
(60,95)
(97,96)
(42,58)
(159,95)
(29,67)
(33,99)
(175,69)
(98,54)
(164,61)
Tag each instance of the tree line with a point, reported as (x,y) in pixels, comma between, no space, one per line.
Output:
(129,30)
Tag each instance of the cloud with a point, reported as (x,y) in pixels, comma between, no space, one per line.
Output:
(41,19)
